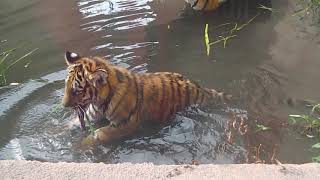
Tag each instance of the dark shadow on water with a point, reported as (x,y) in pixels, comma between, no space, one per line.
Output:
(257,84)
(182,48)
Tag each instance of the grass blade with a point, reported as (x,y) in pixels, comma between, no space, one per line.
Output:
(316,159)
(22,57)
(316,146)
(206,39)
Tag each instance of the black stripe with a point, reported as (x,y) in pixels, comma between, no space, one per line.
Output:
(162,105)
(178,94)
(187,93)
(90,93)
(77,81)
(172,91)
(110,95)
(119,75)
(154,90)
(79,77)
(93,107)
(123,122)
(140,93)
(92,114)
(195,3)
(202,98)
(112,124)
(205,5)
(173,103)
(90,66)
(94,94)
(137,98)
(197,95)
(195,83)
(121,98)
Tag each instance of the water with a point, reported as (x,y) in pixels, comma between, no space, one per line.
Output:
(271,59)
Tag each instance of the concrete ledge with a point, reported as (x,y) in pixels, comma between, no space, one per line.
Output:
(38,170)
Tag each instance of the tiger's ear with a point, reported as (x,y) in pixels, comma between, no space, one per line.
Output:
(98,78)
(71,57)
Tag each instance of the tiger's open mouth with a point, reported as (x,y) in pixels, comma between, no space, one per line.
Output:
(81,111)
(96,122)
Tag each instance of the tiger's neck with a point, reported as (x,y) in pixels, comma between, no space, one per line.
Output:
(117,80)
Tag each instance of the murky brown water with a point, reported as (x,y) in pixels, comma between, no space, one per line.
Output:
(272,59)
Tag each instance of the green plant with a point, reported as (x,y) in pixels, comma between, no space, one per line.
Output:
(226,36)
(317,158)
(308,7)
(206,39)
(6,63)
(310,122)
(311,125)
(266,8)
(261,127)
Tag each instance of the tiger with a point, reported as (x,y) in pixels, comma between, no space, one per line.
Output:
(205,5)
(100,90)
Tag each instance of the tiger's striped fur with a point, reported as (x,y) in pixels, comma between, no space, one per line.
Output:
(205,5)
(126,98)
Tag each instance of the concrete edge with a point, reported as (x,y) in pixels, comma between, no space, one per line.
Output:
(10,169)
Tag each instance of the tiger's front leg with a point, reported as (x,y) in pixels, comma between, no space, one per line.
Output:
(112,132)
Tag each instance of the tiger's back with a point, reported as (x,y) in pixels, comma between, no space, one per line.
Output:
(166,93)
(153,96)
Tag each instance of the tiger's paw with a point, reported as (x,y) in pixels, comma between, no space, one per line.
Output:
(88,142)
(94,139)
(100,136)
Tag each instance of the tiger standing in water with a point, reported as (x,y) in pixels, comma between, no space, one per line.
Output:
(205,5)
(98,90)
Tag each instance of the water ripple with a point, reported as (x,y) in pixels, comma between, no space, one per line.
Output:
(129,14)
(113,19)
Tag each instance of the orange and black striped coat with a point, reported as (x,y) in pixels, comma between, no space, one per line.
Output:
(125,98)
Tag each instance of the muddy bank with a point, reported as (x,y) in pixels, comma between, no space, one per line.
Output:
(38,170)
(272,60)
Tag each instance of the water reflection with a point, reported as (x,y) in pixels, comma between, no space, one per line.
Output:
(183,141)
(120,18)
(152,35)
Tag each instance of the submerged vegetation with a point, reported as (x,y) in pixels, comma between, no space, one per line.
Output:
(309,125)
(308,7)
(7,62)
(226,36)
(261,127)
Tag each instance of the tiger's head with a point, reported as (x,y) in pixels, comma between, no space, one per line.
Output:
(86,76)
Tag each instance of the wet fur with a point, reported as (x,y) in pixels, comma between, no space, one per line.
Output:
(126,98)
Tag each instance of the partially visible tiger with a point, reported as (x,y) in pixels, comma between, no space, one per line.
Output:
(205,5)
(100,90)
